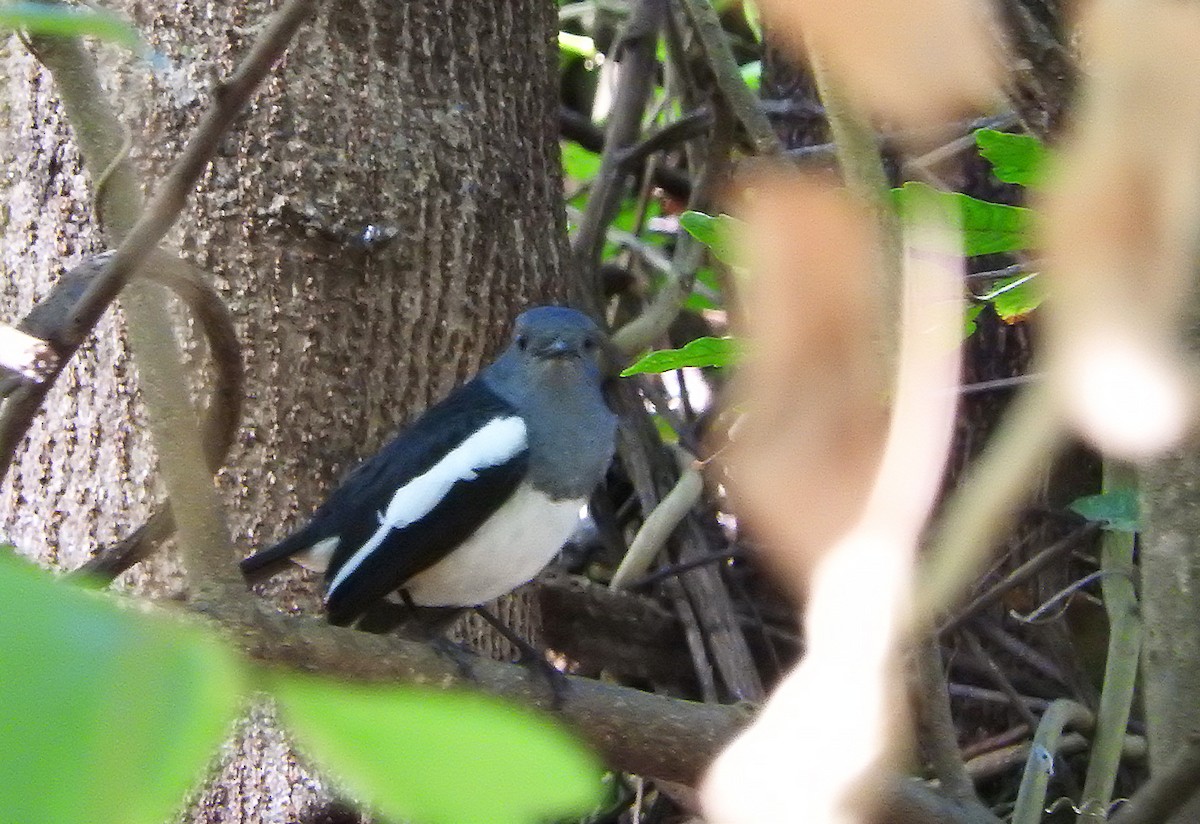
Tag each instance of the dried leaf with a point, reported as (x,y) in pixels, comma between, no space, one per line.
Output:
(812,385)
(1122,218)
(908,60)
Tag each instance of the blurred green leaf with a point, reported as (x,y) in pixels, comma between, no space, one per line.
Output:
(441,758)
(578,162)
(698,302)
(666,432)
(1015,297)
(577,45)
(1118,510)
(969,319)
(1015,158)
(987,228)
(704,351)
(70,21)
(706,293)
(753,18)
(752,74)
(717,233)
(110,715)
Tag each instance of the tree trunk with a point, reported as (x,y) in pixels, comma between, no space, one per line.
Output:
(386,205)
(1170,561)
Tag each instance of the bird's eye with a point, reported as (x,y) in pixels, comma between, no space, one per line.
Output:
(522,342)
(589,344)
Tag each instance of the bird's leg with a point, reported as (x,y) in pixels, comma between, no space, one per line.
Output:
(427,625)
(531,657)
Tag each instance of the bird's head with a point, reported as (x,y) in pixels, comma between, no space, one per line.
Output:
(556,342)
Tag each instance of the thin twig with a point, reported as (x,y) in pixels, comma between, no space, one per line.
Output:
(1121,663)
(742,102)
(672,570)
(1039,766)
(1000,384)
(1028,438)
(937,725)
(999,679)
(578,127)
(1021,574)
(661,522)
(163,210)
(637,62)
(690,126)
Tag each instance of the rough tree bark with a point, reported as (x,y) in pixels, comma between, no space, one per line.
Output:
(1170,562)
(388,202)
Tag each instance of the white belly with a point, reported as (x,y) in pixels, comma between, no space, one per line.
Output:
(508,550)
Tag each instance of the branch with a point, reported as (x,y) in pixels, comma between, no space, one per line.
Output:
(1031,798)
(168,202)
(182,458)
(578,127)
(1166,791)
(1021,574)
(633,731)
(742,103)
(222,415)
(661,522)
(862,167)
(937,725)
(637,62)
(1030,434)
(1121,662)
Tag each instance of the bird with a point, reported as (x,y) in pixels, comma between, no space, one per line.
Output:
(479,494)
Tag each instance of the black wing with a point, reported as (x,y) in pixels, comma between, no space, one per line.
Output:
(353,511)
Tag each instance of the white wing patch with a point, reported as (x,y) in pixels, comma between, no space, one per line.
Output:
(496,442)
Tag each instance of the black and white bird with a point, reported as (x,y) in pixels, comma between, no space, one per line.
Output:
(477,496)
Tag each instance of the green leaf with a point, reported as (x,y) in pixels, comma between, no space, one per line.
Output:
(68,21)
(109,715)
(700,352)
(969,316)
(699,302)
(753,19)
(1118,511)
(438,757)
(578,162)
(666,432)
(577,45)
(1014,298)
(717,233)
(1015,158)
(752,74)
(987,228)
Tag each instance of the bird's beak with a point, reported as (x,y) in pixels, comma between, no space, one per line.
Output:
(558,348)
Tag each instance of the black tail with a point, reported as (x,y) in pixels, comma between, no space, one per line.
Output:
(268,562)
